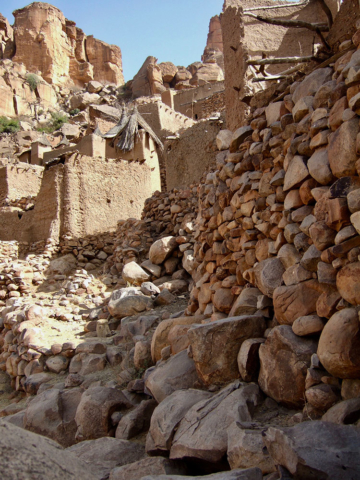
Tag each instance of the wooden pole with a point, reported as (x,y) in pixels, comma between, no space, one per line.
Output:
(294,5)
(327,11)
(277,61)
(290,23)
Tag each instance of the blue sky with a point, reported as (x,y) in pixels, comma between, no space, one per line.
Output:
(170,30)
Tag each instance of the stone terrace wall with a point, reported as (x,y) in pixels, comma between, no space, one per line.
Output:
(211,105)
(164,214)
(190,155)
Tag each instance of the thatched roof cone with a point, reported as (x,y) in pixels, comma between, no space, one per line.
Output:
(125,132)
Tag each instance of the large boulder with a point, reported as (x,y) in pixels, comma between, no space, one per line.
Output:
(207,73)
(284,360)
(339,342)
(162,249)
(347,282)
(168,71)
(127,302)
(246,449)
(168,415)
(52,414)
(316,450)
(63,265)
(175,374)
(311,83)
(134,274)
(160,338)
(268,275)
(342,149)
(95,409)
(296,301)
(136,421)
(215,346)
(344,413)
(148,466)
(202,433)
(104,454)
(27,456)
(248,474)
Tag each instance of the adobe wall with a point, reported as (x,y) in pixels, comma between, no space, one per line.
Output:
(44,221)
(162,119)
(244,37)
(190,155)
(20,180)
(186,101)
(145,152)
(84,196)
(99,192)
(279,41)
(345,23)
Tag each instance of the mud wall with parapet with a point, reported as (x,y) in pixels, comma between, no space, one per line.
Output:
(44,221)
(162,119)
(98,192)
(186,101)
(20,180)
(188,157)
(85,196)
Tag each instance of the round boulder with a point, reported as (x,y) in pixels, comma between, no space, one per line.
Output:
(162,249)
(339,344)
(347,282)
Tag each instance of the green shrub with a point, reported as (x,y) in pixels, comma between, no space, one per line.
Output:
(56,122)
(9,125)
(74,112)
(33,81)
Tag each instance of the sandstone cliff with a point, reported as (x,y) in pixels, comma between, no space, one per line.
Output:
(48,43)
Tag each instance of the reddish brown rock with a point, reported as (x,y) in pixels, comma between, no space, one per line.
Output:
(215,346)
(248,359)
(342,149)
(339,344)
(322,397)
(223,300)
(296,301)
(284,360)
(347,282)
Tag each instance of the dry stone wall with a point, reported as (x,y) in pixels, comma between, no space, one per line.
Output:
(278,235)
(165,214)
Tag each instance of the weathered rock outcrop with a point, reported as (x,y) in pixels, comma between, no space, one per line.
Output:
(24,453)
(45,41)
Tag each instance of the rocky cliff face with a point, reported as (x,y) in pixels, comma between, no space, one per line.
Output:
(213,52)
(49,43)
